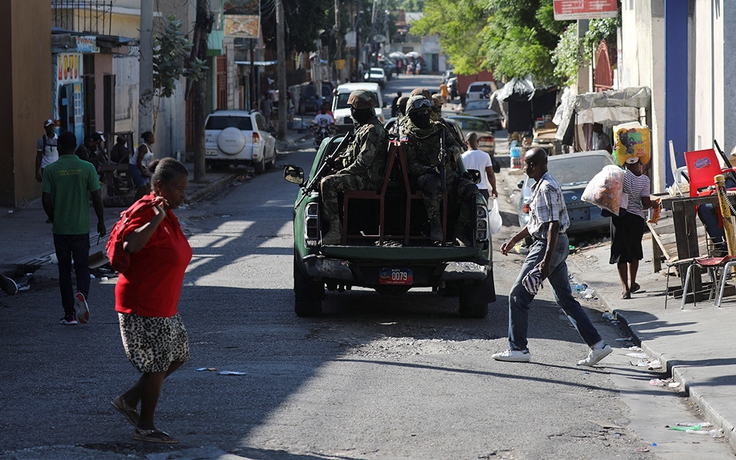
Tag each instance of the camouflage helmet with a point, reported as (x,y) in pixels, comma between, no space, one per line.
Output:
(417,103)
(423,91)
(361,99)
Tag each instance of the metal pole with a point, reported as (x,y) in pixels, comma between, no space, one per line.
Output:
(145,95)
(728,229)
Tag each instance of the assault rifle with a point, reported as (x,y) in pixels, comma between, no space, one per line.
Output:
(326,165)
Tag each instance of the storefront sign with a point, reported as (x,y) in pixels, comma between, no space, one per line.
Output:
(566,10)
(68,67)
(242,25)
(87,44)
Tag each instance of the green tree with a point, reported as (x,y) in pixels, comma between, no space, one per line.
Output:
(460,26)
(170,62)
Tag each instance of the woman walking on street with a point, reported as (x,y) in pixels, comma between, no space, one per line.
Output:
(627,229)
(147,294)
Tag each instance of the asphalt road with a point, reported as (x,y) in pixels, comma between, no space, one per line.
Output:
(373,377)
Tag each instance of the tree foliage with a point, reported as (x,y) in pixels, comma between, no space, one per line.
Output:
(170,53)
(460,25)
(304,21)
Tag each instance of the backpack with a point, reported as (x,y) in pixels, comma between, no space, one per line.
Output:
(119,258)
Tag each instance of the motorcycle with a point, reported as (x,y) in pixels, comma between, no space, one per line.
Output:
(322,130)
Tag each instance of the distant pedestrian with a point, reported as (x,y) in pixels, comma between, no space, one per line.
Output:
(46,149)
(66,187)
(444,92)
(147,296)
(395,105)
(480,161)
(267,108)
(548,220)
(137,165)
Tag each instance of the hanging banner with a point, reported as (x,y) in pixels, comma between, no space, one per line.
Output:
(567,10)
(68,67)
(242,25)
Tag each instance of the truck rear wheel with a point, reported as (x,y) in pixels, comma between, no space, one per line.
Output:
(474,298)
(308,294)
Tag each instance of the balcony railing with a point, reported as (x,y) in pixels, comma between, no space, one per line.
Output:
(91,16)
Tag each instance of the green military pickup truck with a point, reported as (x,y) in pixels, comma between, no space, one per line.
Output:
(383,246)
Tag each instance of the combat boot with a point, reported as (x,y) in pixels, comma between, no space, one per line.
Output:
(334,236)
(435,229)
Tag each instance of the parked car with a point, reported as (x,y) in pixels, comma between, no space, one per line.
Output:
(480,109)
(486,141)
(572,171)
(239,137)
(376,75)
(449,73)
(475,90)
(308,100)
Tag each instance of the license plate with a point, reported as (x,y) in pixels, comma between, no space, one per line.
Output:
(396,276)
(579,214)
(210,153)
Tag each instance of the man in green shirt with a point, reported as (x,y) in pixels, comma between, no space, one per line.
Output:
(66,186)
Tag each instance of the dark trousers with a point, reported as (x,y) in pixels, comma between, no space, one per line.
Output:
(74,247)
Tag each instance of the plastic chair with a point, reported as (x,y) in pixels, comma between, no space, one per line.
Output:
(702,167)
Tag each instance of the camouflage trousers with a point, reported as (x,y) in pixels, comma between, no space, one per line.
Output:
(460,196)
(332,186)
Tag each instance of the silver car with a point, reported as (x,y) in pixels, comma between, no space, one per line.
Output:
(481,109)
(239,137)
(572,171)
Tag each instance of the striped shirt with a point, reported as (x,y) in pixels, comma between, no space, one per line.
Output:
(547,205)
(635,187)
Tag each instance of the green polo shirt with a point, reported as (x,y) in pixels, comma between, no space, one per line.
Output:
(70,180)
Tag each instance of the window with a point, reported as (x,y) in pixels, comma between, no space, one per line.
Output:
(221,122)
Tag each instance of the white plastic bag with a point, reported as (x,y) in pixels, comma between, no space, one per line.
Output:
(494,218)
(605,189)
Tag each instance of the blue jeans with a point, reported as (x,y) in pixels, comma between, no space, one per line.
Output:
(70,247)
(520,299)
(709,216)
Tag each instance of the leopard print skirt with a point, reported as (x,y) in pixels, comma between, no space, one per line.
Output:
(153,343)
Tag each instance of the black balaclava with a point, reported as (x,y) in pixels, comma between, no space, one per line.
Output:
(361,116)
(420,118)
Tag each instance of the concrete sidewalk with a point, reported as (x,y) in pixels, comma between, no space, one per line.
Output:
(694,344)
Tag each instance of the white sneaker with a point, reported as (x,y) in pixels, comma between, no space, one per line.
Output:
(81,308)
(595,355)
(516,356)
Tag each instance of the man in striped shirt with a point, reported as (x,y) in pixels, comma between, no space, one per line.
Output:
(548,221)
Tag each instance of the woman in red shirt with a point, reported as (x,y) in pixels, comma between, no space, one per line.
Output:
(147,295)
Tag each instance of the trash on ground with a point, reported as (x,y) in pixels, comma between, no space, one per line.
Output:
(24,288)
(104,278)
(202,369)
(642,449)
(624,339)
(633,348)
(231,373)
(609,316)
(657,382)
(521,249)
(673,384)
(638,355)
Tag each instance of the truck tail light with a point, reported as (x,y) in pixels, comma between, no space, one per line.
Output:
(311,224)
(481,223)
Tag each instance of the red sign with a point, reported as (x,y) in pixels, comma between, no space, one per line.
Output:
(566,10)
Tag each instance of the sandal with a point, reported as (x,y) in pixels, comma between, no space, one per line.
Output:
(154,435)
(635,287)
(129,412)
(626,295)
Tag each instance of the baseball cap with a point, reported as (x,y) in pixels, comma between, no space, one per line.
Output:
(48,122)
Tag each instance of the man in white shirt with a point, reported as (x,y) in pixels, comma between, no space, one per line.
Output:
(481,161)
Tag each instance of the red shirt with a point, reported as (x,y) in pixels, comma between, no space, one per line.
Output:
(152,284)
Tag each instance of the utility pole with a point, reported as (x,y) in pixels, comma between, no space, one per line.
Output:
(145,93)
(202,28)
(357,43)
(281,57)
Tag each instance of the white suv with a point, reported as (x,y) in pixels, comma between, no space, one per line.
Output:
(239,137)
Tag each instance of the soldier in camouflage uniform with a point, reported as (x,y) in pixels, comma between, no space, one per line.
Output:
(362,165)
(421,143)
(436,112)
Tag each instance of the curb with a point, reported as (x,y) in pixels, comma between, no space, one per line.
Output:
(672,368)
(211,188)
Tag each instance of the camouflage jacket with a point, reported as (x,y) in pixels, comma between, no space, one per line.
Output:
(422,148)
(366,155)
